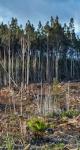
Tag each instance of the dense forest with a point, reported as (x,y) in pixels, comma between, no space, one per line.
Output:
(42,54)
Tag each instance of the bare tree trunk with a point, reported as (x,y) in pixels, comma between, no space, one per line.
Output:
(71,68)
(41,97)
(28,60)
(12,66)
(9,66)
(9,62)
(14,104)
(49,99)
(16,69)
(25,74)
(56,67)
(23,62)
(47,69)
(53,66)
(39,68)
(5,81)
(67,98)
(21,108)
(66,69)
(34,63)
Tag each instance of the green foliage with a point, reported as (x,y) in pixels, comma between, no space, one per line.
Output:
(36,125)
(59,146)
(70,113)
(9,143)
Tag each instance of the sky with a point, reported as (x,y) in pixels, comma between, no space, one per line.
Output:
(35,10)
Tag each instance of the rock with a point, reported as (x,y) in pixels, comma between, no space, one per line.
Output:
(49,130)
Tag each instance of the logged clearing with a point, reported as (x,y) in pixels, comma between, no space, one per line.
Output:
(58,105)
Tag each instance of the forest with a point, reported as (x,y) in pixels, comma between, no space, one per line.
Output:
(39,86)
(49,52)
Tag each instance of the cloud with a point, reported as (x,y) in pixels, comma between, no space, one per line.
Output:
(77,27)
(36,10)
(5,13)
(1,19)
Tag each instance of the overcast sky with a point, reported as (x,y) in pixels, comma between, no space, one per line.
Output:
(36,10)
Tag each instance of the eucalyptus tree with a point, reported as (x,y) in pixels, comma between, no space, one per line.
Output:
(30,36)
(73,43)
(57,43)
(15,38)
(4,49)
(46,31)
(42,52)
(41,48)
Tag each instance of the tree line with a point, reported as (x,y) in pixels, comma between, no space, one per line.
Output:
(29,55)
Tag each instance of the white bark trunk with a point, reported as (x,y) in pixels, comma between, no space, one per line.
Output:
(28,60)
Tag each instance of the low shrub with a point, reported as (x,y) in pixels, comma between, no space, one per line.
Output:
(70,113)
(9,142)
(37,126)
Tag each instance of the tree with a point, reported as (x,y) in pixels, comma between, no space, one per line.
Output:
(46,31)
(30,36)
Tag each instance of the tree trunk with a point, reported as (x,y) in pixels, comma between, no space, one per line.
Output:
(5,81)
(56,67)
(9,68)
(23,62)
(28,60)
